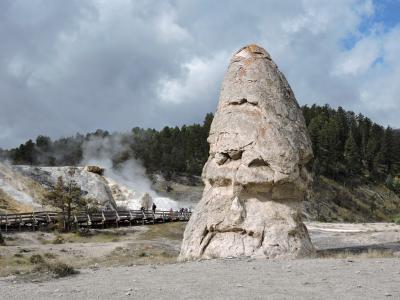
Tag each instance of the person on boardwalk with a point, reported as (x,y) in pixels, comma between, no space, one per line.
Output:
(143,211)
(153,208)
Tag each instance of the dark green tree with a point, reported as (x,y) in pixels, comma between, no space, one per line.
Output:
(352,155)
(69,198)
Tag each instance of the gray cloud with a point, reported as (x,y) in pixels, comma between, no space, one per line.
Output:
(69,66)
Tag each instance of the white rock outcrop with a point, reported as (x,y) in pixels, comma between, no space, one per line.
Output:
(93,184)
(255,177)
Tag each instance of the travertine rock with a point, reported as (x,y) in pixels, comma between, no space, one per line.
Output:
(255,178)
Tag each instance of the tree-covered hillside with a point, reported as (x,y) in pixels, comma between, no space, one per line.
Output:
(172,149)
(356,166)
(347,147)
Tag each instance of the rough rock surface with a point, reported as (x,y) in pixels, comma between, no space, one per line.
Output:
(94,184)
(18,193)
(255,177)
(23,187)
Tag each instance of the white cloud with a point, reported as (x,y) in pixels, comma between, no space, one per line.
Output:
(168,30)
(359,59)
(68,66)
(379,88)
(200,76)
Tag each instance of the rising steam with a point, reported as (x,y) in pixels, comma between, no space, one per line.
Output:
(130,175)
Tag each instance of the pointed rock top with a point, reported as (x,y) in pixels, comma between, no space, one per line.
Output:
(251,51)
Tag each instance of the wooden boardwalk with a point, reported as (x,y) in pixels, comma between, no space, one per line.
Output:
(43,220)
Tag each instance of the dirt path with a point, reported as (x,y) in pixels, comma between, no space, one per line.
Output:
(225,279)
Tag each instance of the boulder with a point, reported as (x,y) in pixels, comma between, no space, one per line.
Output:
(255,177)
(95,169)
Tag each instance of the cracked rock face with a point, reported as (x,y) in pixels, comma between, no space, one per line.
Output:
(255,177)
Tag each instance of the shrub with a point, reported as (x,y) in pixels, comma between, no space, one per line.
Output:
(58,240)
(58,269)
(61,269)
(143,254)
(49,255)
(2,241)
(36,259)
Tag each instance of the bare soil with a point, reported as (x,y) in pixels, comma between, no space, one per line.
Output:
(357,261)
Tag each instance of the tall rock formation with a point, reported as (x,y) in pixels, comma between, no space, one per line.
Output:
(255,177)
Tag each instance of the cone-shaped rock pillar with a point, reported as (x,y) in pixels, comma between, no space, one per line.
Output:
(255,177)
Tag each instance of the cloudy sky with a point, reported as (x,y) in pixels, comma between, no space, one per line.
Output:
(78,65)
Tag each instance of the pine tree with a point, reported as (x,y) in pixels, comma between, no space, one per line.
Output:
(352,155)
(373,147)
(329,153)
(385,158)
(69,199)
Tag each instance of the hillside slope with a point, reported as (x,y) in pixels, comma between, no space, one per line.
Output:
(17,192)
(21,189)
(333,202)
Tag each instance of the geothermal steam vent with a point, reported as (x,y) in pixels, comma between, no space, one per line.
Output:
(255,178)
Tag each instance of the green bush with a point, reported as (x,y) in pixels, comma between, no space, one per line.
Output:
(397,220)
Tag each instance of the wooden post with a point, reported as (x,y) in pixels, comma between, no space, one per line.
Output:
(103,221)
(130,218)
(89,221)
(34,221)
(144,217)
(76,223)
(117,218)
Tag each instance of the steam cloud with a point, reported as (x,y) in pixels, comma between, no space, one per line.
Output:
(130,174)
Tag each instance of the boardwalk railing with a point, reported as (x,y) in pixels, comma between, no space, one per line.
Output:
(99,219)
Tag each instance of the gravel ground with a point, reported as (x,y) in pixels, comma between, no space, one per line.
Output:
(225,279)
(327,278)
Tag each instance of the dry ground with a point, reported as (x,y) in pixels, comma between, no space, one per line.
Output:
(355,261)
(225,279)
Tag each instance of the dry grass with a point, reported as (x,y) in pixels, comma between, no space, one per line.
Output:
(30,253)
(169,231)
(142,253)
(25,265)
(56,269)
(94,236)
(347,254)
(14,264)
